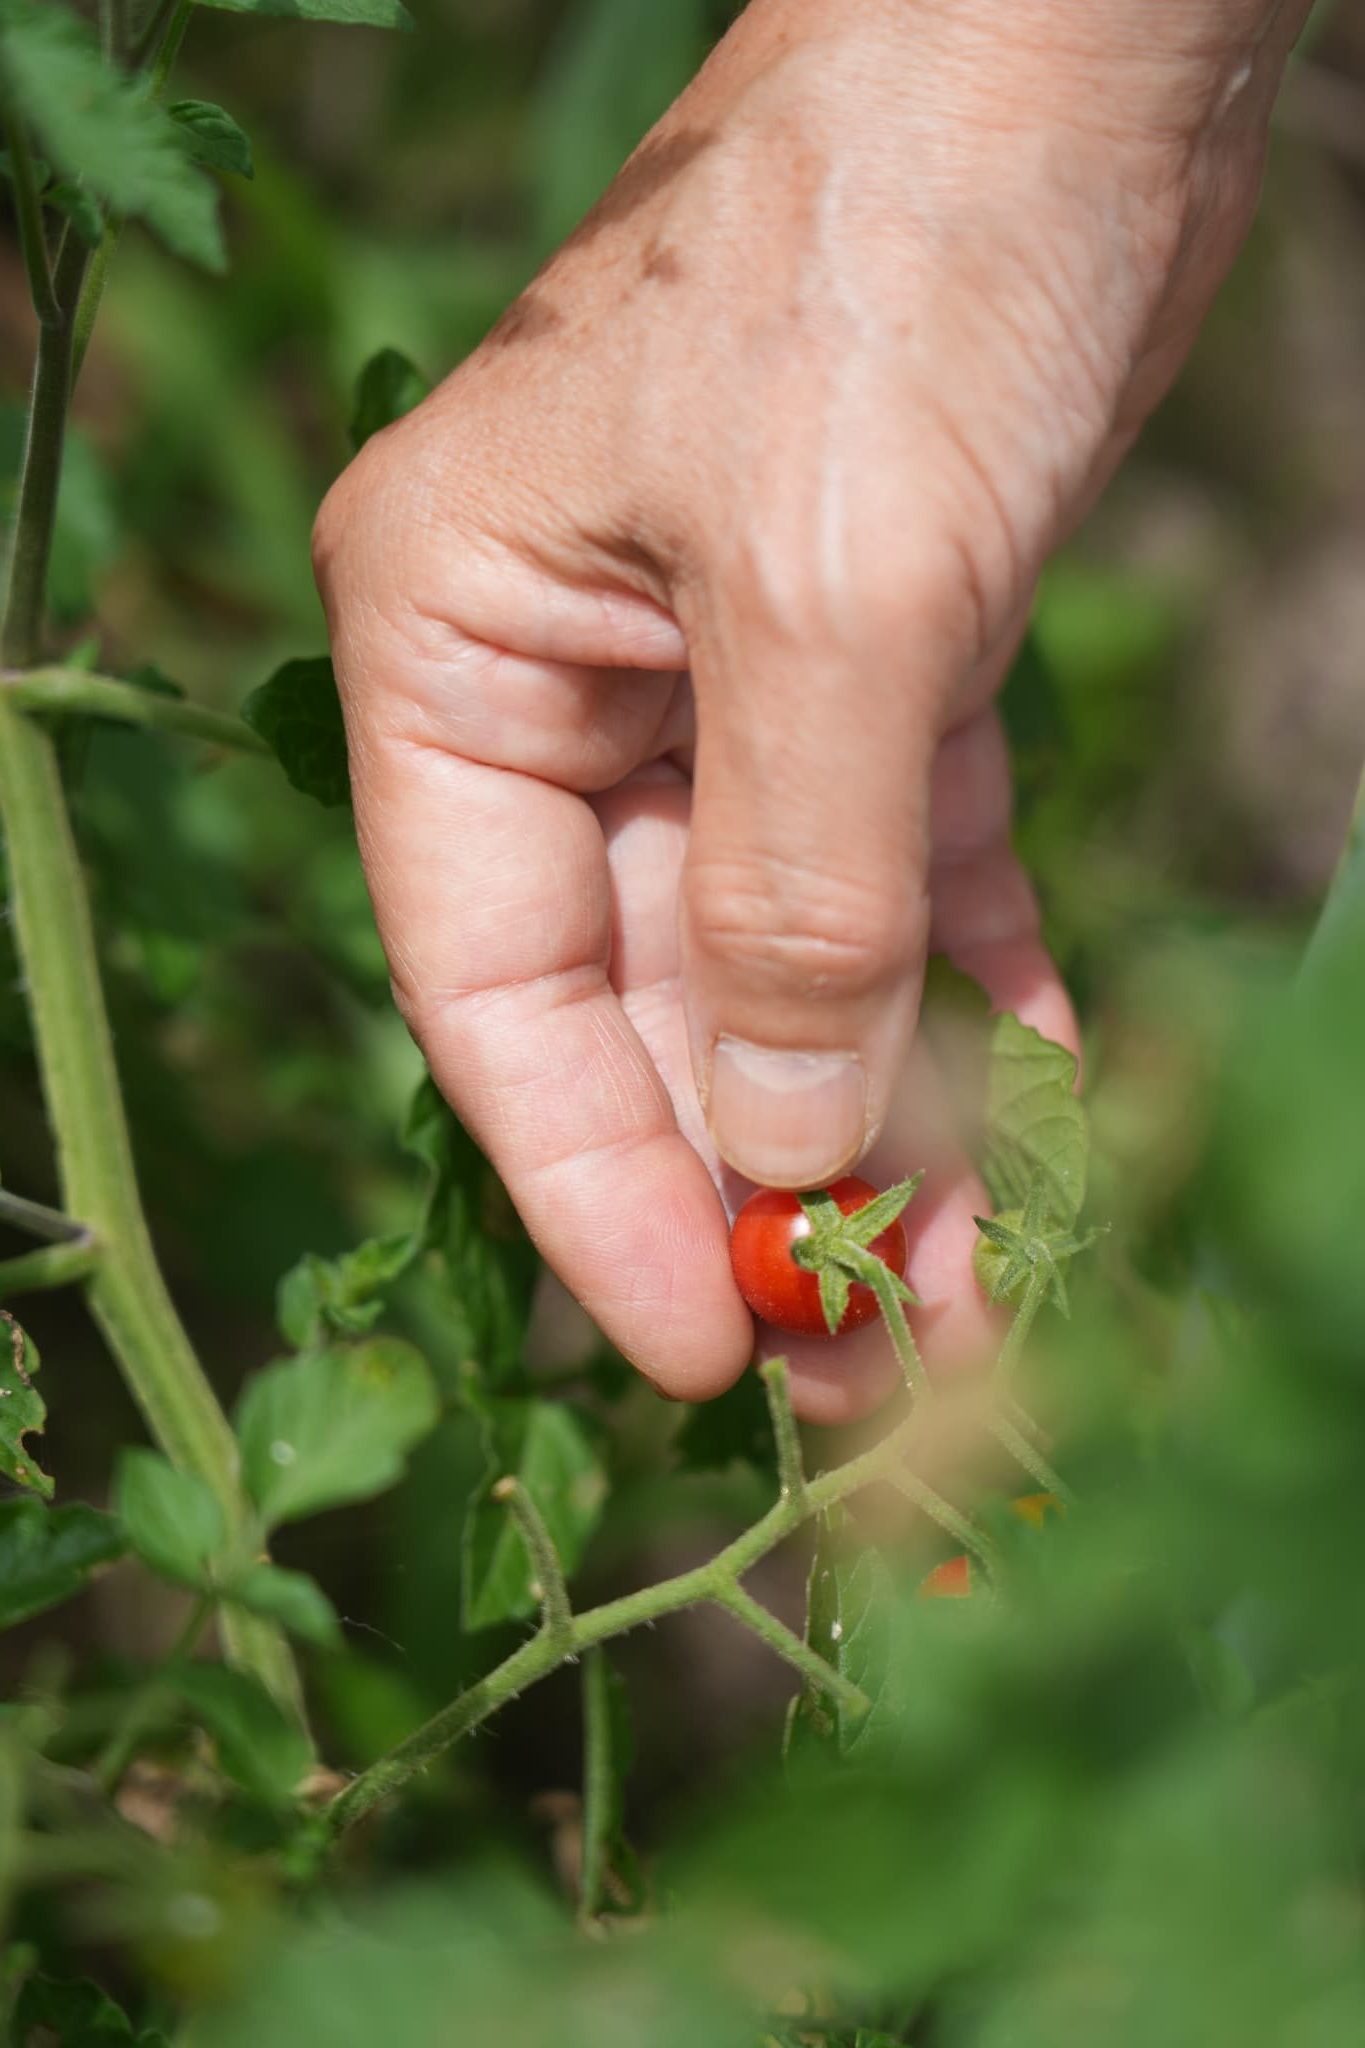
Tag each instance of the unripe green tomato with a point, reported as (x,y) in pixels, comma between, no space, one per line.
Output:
(988,1260)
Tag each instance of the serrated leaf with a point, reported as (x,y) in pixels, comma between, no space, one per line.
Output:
(22,1413)
(1036,1128)
(388,386)
(848,1604)
(547,1448)
(212,137)
(102,130)
(170,1518)
(298,714)
(351,13)
(293,1599)
(263,1750)
(47,1554)
(345,1294)
(735,1428)
(485,1264)
(333,1426)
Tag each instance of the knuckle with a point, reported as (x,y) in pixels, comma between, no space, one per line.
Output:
(797,929)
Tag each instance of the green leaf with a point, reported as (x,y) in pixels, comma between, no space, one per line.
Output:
(333,1426)
(259,1746)
(212,137)
(547,1448)
(352,13)
(735,1428)
(1036,1128)
(485,1264)
(171,1518)
(75,2013)
(884,1210)
(347,1294)
(298,714)
(22,1413)
(848,1601)
(103,131)
(293,1599)
(47,1554)
(835,1288)
(387,387)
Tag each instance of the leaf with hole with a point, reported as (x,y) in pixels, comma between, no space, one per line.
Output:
(333,1426)
(22,1412)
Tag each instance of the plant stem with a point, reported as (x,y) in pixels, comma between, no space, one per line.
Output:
(40,474)
(536,1658)
(599,1783)
(76,692)
(1022,1321)
(29,211)
(789,1645)
(959,1526)
(38,1220)
(1030,1457)
(141,1710)
(878,1278)
(548,1585)
(52,1265)
(791,1476)
(56,946)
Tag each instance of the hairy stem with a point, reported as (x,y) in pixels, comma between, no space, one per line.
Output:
(791,1475)
(959,1526)
(548,1584)
(789,1645)
(76,692)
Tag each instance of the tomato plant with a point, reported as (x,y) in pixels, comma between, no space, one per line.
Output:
(763,1238)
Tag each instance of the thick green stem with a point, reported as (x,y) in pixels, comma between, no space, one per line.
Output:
(76,692)
(127,1294)
(52,1265)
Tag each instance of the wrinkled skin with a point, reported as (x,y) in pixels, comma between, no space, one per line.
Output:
(669,627)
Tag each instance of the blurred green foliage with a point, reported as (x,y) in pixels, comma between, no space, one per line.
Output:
(1121,1805)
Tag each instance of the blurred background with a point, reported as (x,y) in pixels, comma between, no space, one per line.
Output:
(1189,740)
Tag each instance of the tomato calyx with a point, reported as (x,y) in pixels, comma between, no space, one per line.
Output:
(836,1250)
(1024,1249)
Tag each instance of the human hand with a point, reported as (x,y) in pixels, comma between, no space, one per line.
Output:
(668,628)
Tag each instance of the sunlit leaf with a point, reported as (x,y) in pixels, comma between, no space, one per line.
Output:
(1035,1124)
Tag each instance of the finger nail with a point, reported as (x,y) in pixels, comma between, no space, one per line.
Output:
(786,1119)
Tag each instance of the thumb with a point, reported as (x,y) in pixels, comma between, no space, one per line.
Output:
(805,913)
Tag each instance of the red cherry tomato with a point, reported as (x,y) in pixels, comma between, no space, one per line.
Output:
(772,1283)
